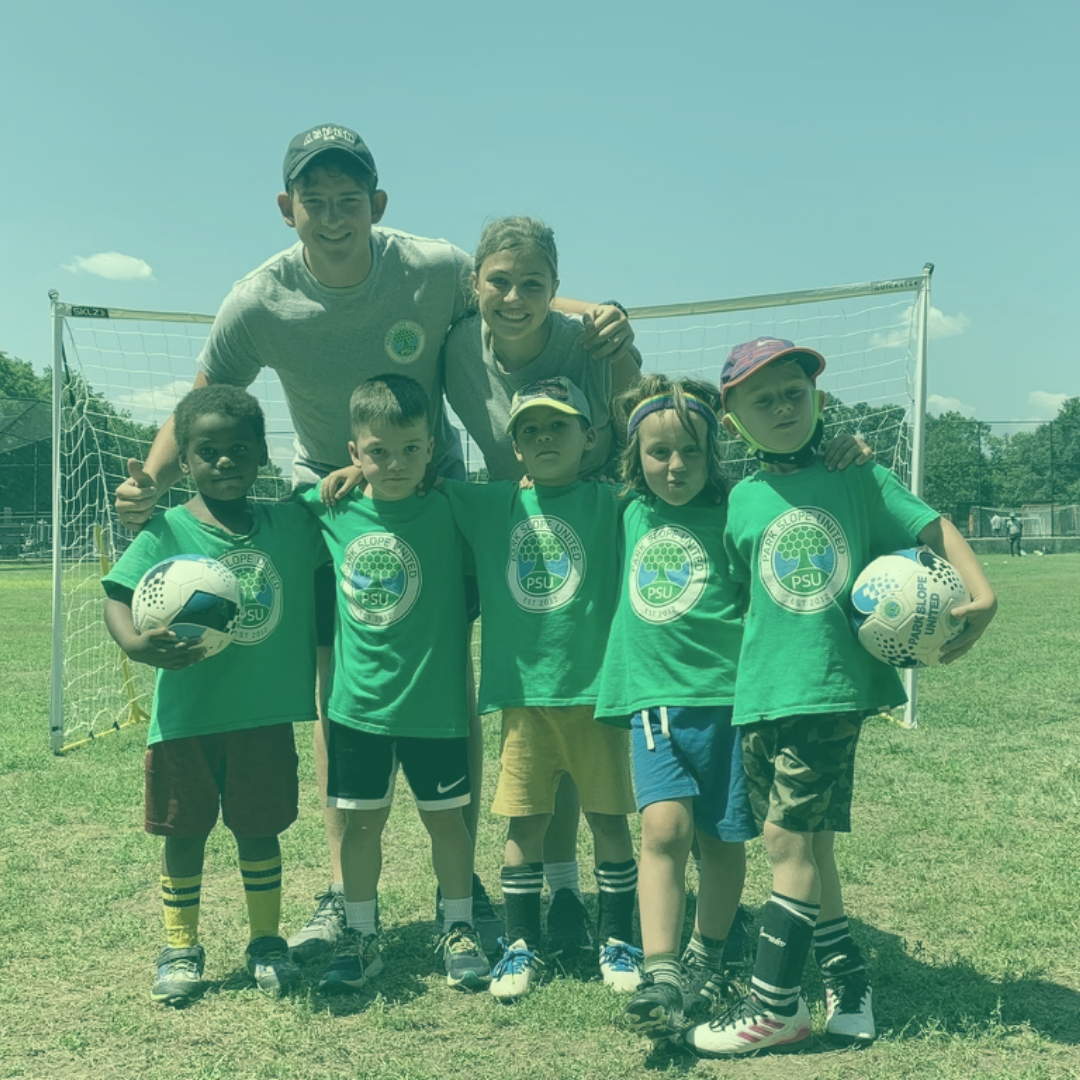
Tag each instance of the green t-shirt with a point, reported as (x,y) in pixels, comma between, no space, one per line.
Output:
(267,676)
(400,650)
(678,628)
(547,569)
(800,540)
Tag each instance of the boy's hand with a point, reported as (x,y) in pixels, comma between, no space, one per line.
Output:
(339,483)
(608,334)
(137,496)
(979,612)
(163,649)
(846,450)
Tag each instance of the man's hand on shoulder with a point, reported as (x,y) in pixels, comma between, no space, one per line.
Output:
(137,496)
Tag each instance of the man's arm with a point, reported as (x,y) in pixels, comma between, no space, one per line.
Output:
(607,334)
(137,496)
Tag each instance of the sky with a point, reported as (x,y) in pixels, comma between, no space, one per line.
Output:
(684,151)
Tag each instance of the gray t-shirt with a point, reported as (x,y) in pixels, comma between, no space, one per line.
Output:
(323,342)
(480,389)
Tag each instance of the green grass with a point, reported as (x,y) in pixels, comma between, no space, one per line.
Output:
(960,879)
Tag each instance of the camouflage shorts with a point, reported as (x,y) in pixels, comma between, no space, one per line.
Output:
(801,771)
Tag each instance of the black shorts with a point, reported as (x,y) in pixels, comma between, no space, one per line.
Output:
(362,770)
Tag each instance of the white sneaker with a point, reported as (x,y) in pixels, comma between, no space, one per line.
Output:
(621,965)
(849,1011)
(514,974)
(323,929)
(748,1027)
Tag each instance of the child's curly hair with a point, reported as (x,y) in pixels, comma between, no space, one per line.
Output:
(219,399)
(673,394)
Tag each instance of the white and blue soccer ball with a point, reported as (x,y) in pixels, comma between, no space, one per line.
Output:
(903,606)
(194,596)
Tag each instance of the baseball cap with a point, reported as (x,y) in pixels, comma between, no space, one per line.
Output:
(752,356)
(556,393)
(326,137)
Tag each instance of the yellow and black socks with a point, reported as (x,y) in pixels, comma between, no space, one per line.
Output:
(262,891)
(180,898)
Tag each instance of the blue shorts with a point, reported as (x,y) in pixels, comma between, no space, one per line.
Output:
(694,753)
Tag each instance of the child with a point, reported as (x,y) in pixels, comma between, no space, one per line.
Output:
(546,566)
(669,676)
(221,733)
(399,676)
(798,535)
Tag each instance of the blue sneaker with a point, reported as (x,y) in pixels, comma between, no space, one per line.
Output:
(356,960)
(515,973)
(466,965)
(179,976)
(621,965)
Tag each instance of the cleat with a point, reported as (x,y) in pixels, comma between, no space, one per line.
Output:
(489,924)
(179,976)
(621,966)
(466,965)
(708,990)
(655,1011)
(356,961)
(271,966)
(739,949)
(567,923)
(323,929)
(748,1027)
(849,1013)
(515,973)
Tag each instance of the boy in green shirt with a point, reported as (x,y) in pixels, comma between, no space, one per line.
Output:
(547,569)
(798,535)
(221,732)
(398,689)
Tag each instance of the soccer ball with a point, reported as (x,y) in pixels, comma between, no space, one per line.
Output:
(193,596)
(903,607)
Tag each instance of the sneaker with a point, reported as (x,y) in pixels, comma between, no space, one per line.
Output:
(179,976)
(323,929)
(739,949)
(656,1010)
(356,960)
(466,964)
(849,1012)
(269,964)
(708,989)
(489,924)
(621,965)
(748,1027)
(515,973)
(567,923)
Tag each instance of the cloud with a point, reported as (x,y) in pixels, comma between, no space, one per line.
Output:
(111,265)
(939,325)
(153,403)
(1048,404)
(937,404)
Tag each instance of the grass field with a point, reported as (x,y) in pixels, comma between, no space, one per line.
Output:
(961,879)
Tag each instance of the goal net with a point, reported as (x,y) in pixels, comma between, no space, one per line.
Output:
(119,374)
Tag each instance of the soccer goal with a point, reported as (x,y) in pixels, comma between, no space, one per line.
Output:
(118,375)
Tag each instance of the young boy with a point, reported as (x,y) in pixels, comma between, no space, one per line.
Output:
(399,676)
(547,571)
(221,732)
(798,535)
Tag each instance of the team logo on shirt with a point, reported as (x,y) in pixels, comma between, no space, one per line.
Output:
(260,591)
(804,560)
(381,578)
(405,341)
(668,571)
(547,563)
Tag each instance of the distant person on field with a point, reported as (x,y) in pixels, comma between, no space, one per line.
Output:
(1014,530)
(398,683)
(995,525)
(343,304)
(797,535)
(221,732)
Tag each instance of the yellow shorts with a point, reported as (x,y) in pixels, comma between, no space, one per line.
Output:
(539,744)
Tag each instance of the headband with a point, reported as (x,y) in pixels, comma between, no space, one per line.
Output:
(667,401)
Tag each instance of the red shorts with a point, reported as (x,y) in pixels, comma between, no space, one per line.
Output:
(249,775)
